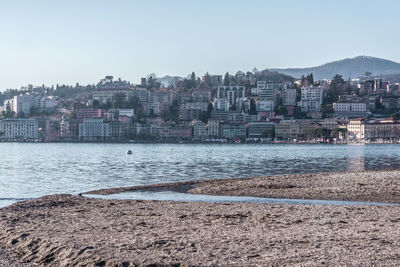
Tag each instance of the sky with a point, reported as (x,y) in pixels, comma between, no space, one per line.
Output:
(68,41)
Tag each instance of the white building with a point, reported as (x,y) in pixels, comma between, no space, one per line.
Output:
(44,103)
(267,90)
(106,94)
(19,129)
(126,112)
(94,129)
(213,128)
(221,104)
(311,99)
(23,103)
(231,93)
(265,105)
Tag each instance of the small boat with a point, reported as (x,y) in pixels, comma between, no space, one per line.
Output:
(129,152)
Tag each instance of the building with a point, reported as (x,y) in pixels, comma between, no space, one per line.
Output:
(370,101)
(126,112)
(199,129)
(214,80)
(19,129)
(361,129)
(289,97)
(201,95)
(94,129)
(106,94)
(261,129)
(267,90)
(69,129)
(231,93)
(311,99)
(89,113)
(233,131)
(141,93)
(213,128)
(390,103)
(289,130)
(197,105)
(23,104)
(350,110)
(189,114)
(265,105)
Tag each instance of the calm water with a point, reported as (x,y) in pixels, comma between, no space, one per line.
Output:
(29,170)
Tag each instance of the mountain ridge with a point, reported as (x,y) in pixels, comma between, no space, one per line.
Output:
(349,68)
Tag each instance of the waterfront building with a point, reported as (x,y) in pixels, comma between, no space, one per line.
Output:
(213,128)
(94,129)
(361,129)
(69,129)
(233,131)
(199,129)
(289,130)
(261,129)
(19,129)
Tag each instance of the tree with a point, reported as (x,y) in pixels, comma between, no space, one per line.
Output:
(268,132)
(253,107)
(334,90)
(21,115)
(310,79)
(95,103)
(396,116)
(227,79)
(193,77)
(118,100)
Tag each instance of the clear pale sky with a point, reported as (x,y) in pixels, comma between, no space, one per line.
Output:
(69,41)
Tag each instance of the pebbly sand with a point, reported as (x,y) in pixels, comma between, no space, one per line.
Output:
(61,230)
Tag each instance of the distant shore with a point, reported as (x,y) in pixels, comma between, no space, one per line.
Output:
(64,229)
(205,142)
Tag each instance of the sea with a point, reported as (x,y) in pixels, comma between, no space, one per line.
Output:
(31,170)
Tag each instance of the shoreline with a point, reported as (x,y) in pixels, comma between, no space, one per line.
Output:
(365,186)
(61,230)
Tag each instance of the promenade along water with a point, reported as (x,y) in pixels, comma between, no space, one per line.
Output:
(29,170)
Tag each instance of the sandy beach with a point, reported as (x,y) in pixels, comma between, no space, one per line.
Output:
(65,230)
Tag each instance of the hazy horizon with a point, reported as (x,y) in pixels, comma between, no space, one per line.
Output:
(66,42)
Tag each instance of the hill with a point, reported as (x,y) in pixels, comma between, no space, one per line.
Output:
(348,68)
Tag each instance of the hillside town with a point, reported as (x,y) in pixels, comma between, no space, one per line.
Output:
(257,106)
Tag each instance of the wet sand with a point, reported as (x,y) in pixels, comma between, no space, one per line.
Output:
(70,230)
(374,186)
